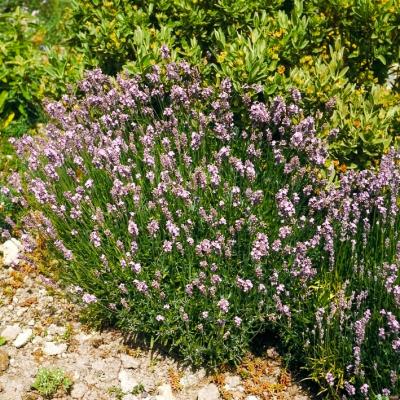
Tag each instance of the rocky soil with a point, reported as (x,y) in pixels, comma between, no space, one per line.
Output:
(42,329)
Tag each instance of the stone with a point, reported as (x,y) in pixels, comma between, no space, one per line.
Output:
(231,382)
(272,353)
(78,390)
(129,362)
(10,332)
(251,397)
(11,249)
(127,380)
(165,393)
(192,379)
(23,338)
(54,349)
(4,361)
(130,397)
(99,365)
(209,392)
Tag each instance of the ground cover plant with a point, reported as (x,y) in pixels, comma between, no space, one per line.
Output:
(49,381)
(199,228)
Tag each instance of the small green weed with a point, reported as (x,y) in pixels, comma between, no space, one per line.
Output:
(116,392)
(138,389)
(49,381)
(3,341)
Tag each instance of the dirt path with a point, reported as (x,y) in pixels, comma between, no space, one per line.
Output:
(42,330)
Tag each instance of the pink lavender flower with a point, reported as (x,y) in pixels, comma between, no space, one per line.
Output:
(167,246)
(223,304)
(89,298)
(364,389)
(95,239)
(330,379)
(244,284)
(260,247)
(350,389)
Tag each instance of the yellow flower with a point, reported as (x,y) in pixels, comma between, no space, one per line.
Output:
(281,69)
(221,56)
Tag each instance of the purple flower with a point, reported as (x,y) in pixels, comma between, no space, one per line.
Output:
(364,389)
(260,247)
(350,389)
(95,239)
(223,304)
(89,298)
(330,379)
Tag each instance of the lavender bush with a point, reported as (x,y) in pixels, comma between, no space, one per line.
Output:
(199,228)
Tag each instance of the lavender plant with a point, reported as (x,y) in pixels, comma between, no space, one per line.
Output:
(180,220)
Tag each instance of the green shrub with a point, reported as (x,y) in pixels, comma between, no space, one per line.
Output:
(199,228)
(285,45)
(30,67)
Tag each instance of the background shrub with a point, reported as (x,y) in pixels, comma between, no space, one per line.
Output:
(278,45)
(199,229)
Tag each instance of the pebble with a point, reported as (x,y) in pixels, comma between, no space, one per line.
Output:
(209,392)
(10,332)
(251,397)
(191,379)
(4,361)
(78,390)
(231,382)
(165,393)
(129,362)
(127,380)
(23,338)
(272,353)
(130,397)
(11,249)
(53,349)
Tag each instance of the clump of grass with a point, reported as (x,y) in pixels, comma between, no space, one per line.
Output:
(48,381)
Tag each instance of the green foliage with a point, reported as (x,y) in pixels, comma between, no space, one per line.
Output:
(3,341)
(286,44)
(368,30)
(49,381)
(31,68)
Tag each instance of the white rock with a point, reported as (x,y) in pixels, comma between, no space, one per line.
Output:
(130,397)
(129,362)
(127,380)
(11,249)
(55,330)
(192,379)
(78,390)
(209,392)
(99,365)
(231,382)
(23,338)
(20,311)
(11,332)
(165,393)
(54,349)
(252,398)
(37,340)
